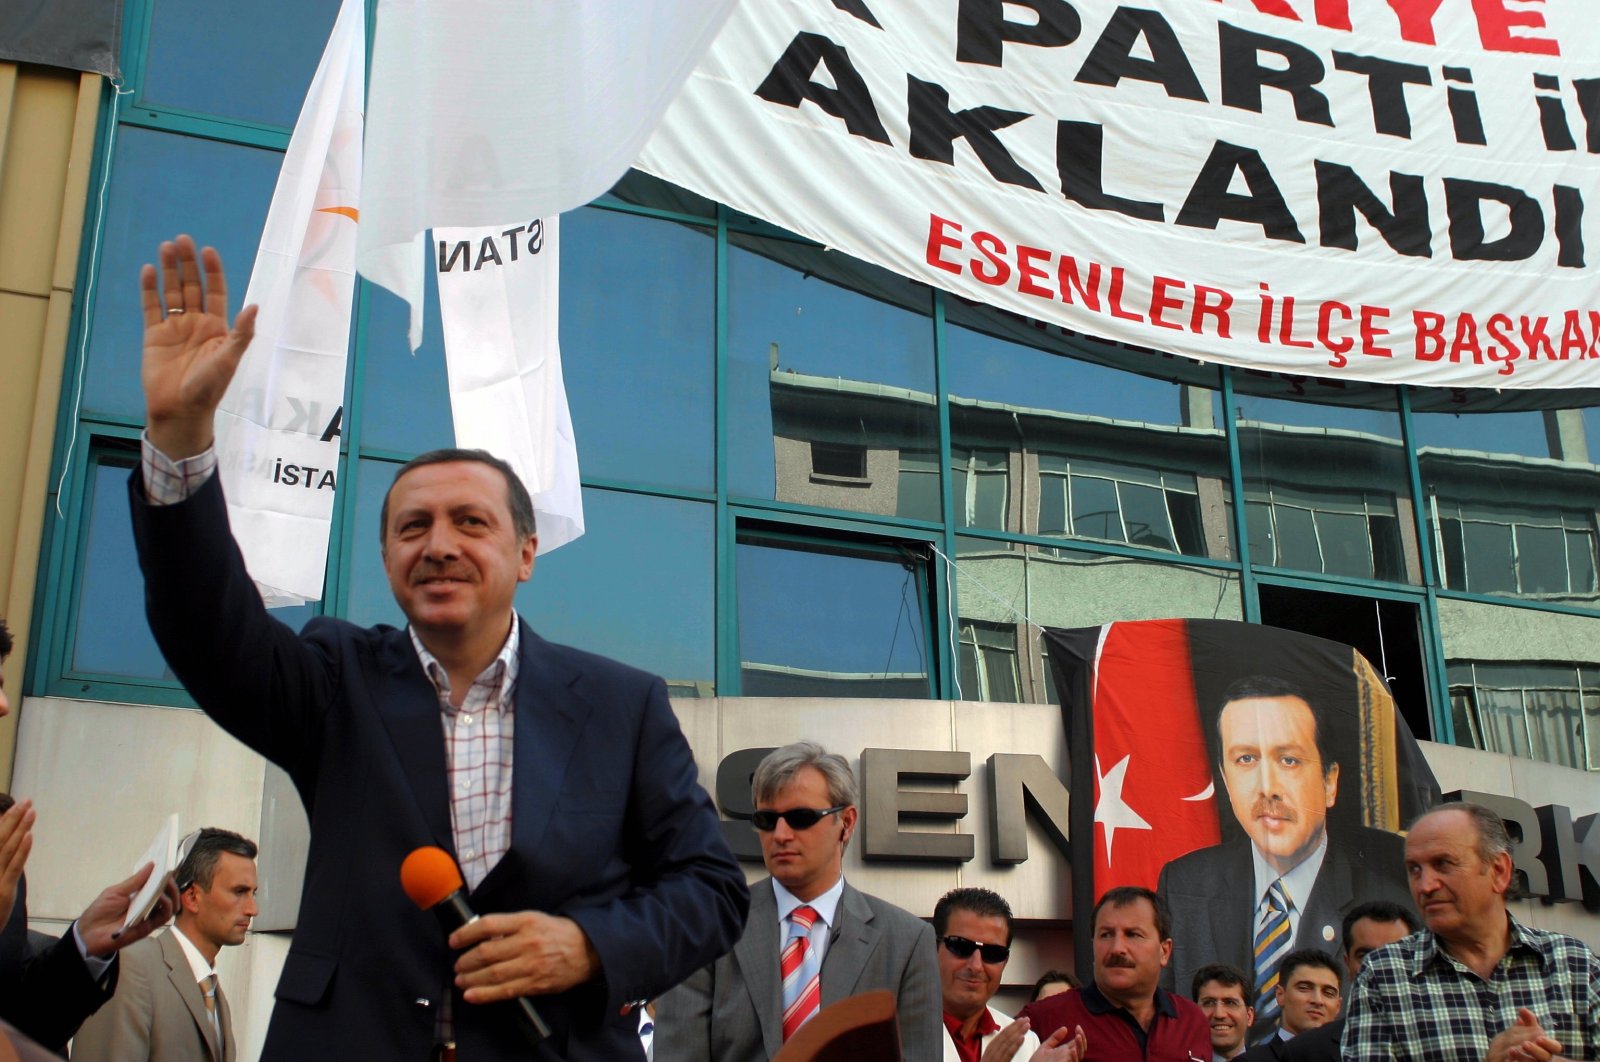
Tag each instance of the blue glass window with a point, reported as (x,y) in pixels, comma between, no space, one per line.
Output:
(250,61)
(814,362)
(163,184)
(820,620)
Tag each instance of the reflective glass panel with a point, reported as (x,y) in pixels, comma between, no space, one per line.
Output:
(110,636)
(1085,451)
(237,60)
(1523,681)
(637,315)
(1327,487)
(636,586)
(161,185)
(846,361)
(820,620)
(1512,501)
(1006,592)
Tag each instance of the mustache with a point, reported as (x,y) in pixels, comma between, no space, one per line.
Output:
(1274,806)
(1121,962)
(427,570)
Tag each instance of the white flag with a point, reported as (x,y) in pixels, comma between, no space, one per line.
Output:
(499,302)
(278,425)
(503,109)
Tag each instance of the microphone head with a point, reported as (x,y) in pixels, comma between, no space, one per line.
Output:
(429,875)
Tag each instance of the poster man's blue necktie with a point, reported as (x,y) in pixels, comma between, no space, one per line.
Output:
(1272,944)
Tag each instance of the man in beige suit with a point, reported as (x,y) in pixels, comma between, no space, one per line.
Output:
(169,1006)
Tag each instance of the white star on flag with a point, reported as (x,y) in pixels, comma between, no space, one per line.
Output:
(1111,811)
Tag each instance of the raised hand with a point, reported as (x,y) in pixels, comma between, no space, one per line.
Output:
(16,840)
(190,353)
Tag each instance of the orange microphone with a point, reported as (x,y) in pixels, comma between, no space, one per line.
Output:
(433,881)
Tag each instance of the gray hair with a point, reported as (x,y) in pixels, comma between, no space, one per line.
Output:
(780,766)
(1493,838)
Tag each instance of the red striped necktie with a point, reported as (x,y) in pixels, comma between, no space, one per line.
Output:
(802,988)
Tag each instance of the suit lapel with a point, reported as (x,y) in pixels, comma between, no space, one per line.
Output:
(1233,910)
(181,975)
(757,956)
(410,711)
(1322,913)
(849,948)
(225,1050)
(550,719)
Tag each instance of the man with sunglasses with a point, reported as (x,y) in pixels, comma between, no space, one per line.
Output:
(973,928)
(811,939)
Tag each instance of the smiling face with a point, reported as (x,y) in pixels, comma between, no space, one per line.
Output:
(452,553)
(806,862)
(1277,783)
(1228,1015)
(1308,997)
(1461,896)
(970,983)
(1128,952)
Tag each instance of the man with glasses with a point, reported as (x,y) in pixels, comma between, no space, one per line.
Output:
(973,928)
(1223,990)
(811,939)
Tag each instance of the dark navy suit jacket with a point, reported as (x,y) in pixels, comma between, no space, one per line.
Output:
(610,826)
(46,994)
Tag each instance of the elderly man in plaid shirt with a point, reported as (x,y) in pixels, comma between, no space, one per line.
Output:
(1476,983)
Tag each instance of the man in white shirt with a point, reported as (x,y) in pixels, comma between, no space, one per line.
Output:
(169,1005)
(973,930)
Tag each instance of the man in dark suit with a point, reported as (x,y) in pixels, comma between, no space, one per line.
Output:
(1308,998)
(1288,883)
(1367,927)
(811,940)
(47,993)
(559,780)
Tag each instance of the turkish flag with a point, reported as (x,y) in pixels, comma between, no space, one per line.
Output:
(1153,788)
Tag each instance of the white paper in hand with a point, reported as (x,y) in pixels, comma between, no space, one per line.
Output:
(163,852)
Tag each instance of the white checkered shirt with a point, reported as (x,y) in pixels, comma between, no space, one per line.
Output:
(477,750)
(477,736)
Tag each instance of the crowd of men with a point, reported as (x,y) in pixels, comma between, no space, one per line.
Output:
(612,919)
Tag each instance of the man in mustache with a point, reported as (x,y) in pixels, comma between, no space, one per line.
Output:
(1289,882)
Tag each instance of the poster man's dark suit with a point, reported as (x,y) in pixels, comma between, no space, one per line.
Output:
(158,1012)
(610,826)
(46,994)
(732,1011)
(1213,909)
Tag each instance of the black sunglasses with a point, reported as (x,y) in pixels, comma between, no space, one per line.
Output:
(962,948)
(766,819)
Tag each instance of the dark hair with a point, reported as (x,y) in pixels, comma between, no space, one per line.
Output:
(1053,977)
(1123,895)
(981,902)
(199,864)
(1223,973)
(5,640)
(1272,686)
(1379,911)
(7,802)
(517,499)
(1309,957)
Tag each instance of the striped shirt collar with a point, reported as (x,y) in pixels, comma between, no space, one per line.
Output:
(501,674)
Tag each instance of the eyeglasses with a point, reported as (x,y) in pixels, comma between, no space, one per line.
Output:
(765,819)
(962,948)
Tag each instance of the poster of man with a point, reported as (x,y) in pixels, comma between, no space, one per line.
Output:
(1257,778)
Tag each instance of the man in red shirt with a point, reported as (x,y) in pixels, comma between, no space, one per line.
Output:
(1124,1012)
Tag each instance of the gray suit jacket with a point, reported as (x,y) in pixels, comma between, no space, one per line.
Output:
(732,1010)
(157,1012)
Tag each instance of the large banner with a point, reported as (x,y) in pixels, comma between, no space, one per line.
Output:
(1388,190)
(1212,760)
